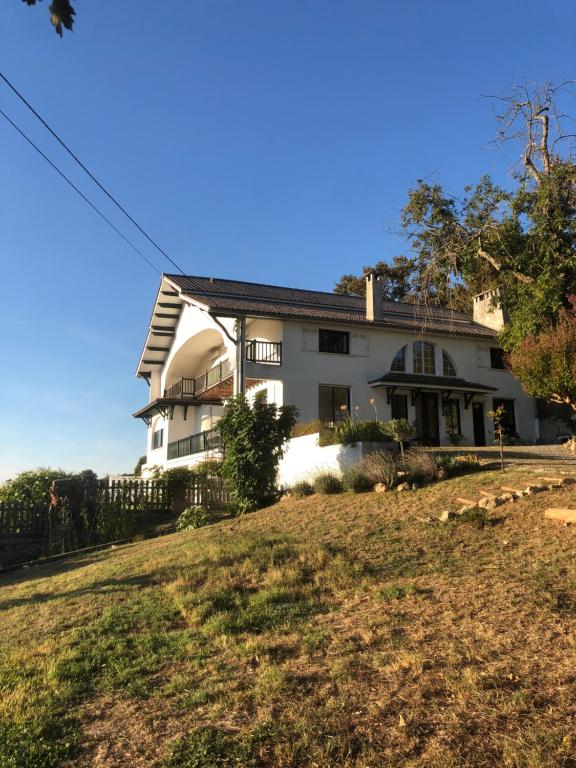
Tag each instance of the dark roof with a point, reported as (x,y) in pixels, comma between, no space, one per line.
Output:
(424,381)
(235,297)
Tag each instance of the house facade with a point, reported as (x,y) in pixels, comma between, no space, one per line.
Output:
(332,356)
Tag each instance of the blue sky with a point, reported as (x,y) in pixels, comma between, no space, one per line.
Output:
(258,140)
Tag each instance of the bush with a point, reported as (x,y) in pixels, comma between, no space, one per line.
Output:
(461,464)
(349,431)
(301,489)
(192,517)
(421,465)
(307,428)
(327,483)
(254,436)
(380,467)
(356,480)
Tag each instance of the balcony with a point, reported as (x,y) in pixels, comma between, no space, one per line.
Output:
(265,352)
(199,443)
(200,384)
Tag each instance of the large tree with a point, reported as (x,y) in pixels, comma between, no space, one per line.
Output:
(521,240)
(545,363)
(397,280)
(61,14)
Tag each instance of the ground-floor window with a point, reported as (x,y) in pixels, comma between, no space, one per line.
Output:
(333,404)
(451,410)
(399,406)
(508,417)
(157,439)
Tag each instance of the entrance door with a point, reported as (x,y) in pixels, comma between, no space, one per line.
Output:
(427,428)
(478,419)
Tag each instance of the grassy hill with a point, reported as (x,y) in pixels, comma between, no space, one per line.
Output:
(329,631)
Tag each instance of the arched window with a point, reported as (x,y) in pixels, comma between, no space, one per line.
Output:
(423,358)
(399,362)
(448,367)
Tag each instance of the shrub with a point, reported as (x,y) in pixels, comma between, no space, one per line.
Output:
(327,483)
(32,486)
(207,469)
(349,431)
(462,464)
(307,428)
(356,479)
(301,489)
(192,517)
(398,430)
(254,437)
(421,465)
(380,467)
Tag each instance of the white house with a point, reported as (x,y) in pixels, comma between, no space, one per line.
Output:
(209,338)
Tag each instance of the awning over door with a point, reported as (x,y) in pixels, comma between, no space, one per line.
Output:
(446,385)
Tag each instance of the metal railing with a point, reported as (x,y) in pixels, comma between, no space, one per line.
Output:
(193,387)
(209,440)
(268,352)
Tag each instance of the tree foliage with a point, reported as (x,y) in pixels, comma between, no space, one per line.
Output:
(61,14)
(254,438)
(545,363)
(32,487)
(521,239)
(396,279)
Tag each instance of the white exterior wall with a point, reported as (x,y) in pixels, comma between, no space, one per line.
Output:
(199,343)
(372,352)
(304,459)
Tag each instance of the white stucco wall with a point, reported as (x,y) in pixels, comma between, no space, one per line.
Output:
(304,459)
(199,342)
(304,370)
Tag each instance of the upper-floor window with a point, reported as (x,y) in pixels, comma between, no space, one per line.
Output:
(157,439)
(399,362)
(448,367)
(337,342)
(497,359)
(423,357)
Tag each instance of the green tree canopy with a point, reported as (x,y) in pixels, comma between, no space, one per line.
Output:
(545,363)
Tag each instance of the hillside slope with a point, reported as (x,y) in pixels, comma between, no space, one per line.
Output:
(329,631)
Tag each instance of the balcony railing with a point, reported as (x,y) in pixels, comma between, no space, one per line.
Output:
(268,352)
(198,443)
(194,387)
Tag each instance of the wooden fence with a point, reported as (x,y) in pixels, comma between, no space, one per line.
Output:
(23,519)
(149,498)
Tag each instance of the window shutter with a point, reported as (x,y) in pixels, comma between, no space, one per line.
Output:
(310,339)
(483,357)
(359,344)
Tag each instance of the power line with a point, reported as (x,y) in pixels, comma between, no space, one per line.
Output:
(75,188)
(87,171)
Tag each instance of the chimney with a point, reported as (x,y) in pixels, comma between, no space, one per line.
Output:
(373,296)
(488,311)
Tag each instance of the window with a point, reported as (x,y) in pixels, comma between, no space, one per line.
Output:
(508,417)
(497,358)
(399,406)
(424,357)
(333,404)
(337,342)
(448,368)
(157,439)
(451,410)
(399,362)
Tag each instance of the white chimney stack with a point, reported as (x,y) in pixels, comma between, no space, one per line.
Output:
(488,311)
(373,296)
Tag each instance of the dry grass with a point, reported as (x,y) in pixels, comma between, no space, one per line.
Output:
(325,631)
